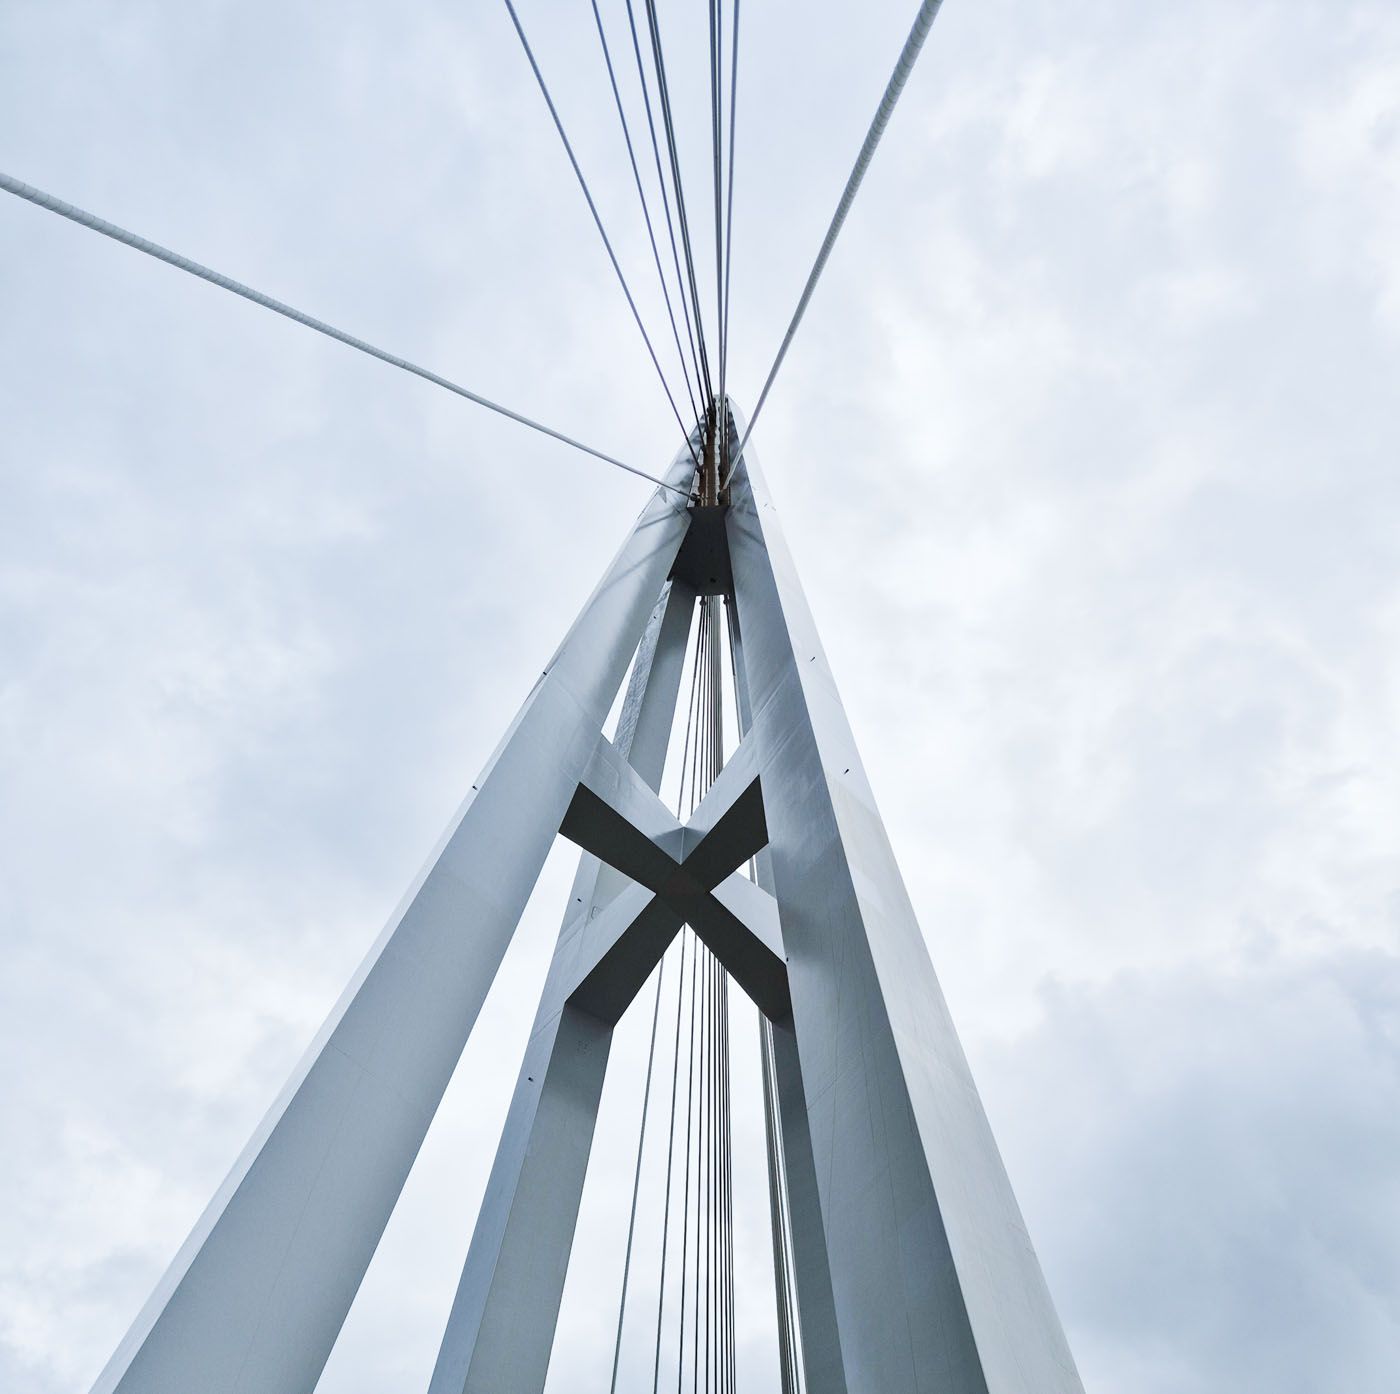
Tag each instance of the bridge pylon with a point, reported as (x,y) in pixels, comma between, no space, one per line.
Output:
(911,1266)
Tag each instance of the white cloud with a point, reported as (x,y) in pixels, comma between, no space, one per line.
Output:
(1086,450)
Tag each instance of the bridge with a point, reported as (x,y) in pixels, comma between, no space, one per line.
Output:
(901,1261)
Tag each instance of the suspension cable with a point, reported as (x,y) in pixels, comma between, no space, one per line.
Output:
(784,1286)
(637,1172)
(922,22)
(714,1270)
(728,238)
(704,1121)
(685,938)
(598,222)
(704,1172)
(717,144)
(702,1291)
(704,1351)
(194,268)
(668,124)
(665,198)
(670,1157)
(685,1192)
(725,1354)
(778,1211)
(646,211)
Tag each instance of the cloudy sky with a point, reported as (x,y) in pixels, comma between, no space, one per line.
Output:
(1088,454)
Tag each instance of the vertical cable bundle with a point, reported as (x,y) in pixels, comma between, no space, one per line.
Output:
(698,1263)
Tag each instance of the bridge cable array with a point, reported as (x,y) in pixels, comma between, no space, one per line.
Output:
(690,386)
(598,222)
(700,381)
(728,237)
(668,125)
(789,1332)
(694,1329)
(681,287)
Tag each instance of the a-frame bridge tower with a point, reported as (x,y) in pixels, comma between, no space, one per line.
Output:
(911,1266)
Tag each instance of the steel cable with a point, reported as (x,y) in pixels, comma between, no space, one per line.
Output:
(704,1306)
(685,1192)
(668,125)
(789,1345)
(728,237)
(691,727)
(665,198)
(637,1173)
(704,1175)
(717,142)
(153,249)
(670,1157)
(646,211)
(928,10)
(597,220)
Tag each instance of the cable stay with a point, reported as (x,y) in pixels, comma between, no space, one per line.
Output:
(646,211)
(928,10)
(681,290)
(789,1344)
(637,1173)
(693,1341)
(717,144)
(668,124)
(598,222)
(728,244)
(153,249)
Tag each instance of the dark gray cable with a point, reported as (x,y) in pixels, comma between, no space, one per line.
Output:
(685,1207)
(670,1157)
(789,1254)
(775,1210)
(922,21)
(646,211)
(637,1174)
(598,221)
(690,726)
(715,1134)
(668,124)
(704,1173)
(727,1182)
(665,198)
(702,1227)
(717,143)
(724,1143)
(729,236)
(154,249)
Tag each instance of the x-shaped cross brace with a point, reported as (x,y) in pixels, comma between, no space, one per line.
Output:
(680,874)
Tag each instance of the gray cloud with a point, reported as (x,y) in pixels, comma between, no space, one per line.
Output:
(1223,1186)
(1087,454)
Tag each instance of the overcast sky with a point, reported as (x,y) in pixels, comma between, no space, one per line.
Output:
(1087,452)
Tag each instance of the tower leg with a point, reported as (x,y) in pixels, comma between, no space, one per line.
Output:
(254,1300)
(934,1282)
(501,1329)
